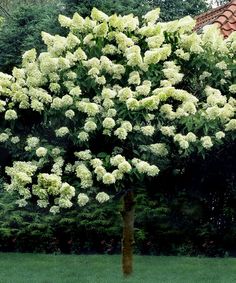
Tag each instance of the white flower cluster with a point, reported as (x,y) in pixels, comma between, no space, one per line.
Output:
(107,178)
(21,177)
(129,94)
(10,115)
(61,132)
(168,130)
(217,105)
(206,142)
(144,167)
(159,149)
(84,155)
(51,184)
(187,102)
(41,151)
(102,197)
(4,137)
(147,130)
(231,125)
(85,176)
(32,143)
(57,166)
(185,140)
(83,199)
(172,72)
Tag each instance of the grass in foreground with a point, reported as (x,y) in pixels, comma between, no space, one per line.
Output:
(40,268)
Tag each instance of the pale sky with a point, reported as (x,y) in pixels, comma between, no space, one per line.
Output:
(213,2)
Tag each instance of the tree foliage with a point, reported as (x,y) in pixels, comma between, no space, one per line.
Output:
(112,103)
(21,31)
(176,9)
(25,19)
(170,10)
(184,212)
(109,6)
(127,86)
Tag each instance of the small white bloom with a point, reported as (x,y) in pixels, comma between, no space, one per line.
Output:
(148,130)
(100,171)
(90,126)
(108,123)
(108,179)
(168,130)
(117,159)
(56,151)
(152,16)
(96,162)
(84,154)
(83,199)
(127,126)
(232,88)
(76,91)
(206,142)
(15,139)
(124,167)
(102,197)
(118,174)
(111,112)
(153,170)
(41,151)
(54,209)
(83,136)
(191,137)
(61,132)
(220,135)
(159,149)
(121,133)
(32,142)
(231,126)
(70,114)
(10,115)
(183,144)
(142,166)
(4,137)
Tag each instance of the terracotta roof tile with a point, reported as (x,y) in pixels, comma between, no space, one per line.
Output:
(224,16)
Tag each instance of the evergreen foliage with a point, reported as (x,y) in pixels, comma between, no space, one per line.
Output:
(184,212)
(176,9)
(21,31)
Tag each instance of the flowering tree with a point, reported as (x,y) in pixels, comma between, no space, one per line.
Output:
(110,104)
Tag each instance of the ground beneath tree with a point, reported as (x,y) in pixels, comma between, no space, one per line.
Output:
(40,268)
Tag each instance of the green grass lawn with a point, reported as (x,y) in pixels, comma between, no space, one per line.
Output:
(40,268)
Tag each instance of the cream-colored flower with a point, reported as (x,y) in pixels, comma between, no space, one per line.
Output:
(108,179)
(83,199)
(61,132)
(10,115)
(109,123)
(102,197)
(41,151)
(206,142)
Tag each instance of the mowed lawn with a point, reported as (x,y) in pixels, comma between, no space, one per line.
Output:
(40,268)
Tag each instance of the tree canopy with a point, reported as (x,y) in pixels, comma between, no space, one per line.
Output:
(112,103)
(25,19)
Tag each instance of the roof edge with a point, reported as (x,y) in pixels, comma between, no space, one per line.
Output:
(208,13)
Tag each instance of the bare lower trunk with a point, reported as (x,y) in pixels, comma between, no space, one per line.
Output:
(128,233)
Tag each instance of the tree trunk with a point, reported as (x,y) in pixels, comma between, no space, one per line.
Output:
(128,233)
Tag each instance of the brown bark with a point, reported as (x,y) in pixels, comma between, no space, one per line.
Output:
(128,233)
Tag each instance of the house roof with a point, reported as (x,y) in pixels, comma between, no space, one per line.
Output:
(224,16)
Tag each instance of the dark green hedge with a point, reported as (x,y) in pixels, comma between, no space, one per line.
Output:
(190,210)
